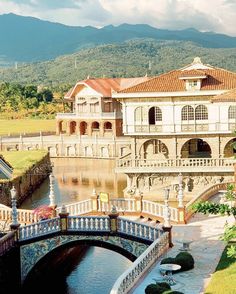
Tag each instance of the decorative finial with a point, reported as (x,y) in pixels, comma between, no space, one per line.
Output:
(197,60)
(113,209)
(51,194)
(63,209)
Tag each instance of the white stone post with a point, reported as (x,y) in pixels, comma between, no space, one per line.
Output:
(180,191)
(52,194)
(14,211)
(167,223)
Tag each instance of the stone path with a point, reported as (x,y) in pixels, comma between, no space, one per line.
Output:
(206,249)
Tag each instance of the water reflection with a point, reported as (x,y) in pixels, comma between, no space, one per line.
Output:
(75,179)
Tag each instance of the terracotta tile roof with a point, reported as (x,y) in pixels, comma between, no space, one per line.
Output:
(217,79)
(192,73)
(104,86)
(229,96)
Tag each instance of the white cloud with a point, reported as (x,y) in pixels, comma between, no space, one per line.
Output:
(205,15)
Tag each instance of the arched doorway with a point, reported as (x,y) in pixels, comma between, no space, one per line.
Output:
(230,148)
(154,149)
(95,125)
(196,148)
(83,128)
(107,126)
(72,127)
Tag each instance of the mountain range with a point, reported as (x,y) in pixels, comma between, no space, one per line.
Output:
(28,39)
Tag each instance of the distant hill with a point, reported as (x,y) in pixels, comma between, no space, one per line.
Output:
(28,39)
(128,59)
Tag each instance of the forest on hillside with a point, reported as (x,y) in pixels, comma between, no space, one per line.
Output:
(129,59)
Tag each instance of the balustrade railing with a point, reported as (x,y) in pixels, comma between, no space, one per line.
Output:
(78,208)
(158,209)
(138,230)
(129,278)
(89,223)
(121,204)
(184,162)
(7,242)
(39,229)
(24,215)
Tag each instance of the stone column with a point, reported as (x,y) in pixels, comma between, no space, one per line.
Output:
(181,208)
(138,201)
(52,194)
(63,219)
(94,199)
(113,220)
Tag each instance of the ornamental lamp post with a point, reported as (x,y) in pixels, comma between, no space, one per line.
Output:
(167,223)
(180,191)
(15,224)
(51,193)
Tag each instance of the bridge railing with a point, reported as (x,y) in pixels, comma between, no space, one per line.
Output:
(138,230)
(204,196)
(129,278)
(77,208)
(89,223)
(24,215)
(39,229)
(7,242)
(157,209)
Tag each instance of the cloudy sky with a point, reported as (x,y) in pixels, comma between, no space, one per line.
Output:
(205,15)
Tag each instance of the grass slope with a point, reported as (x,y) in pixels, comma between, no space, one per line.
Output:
(22,126)
(21,161)
(223,280)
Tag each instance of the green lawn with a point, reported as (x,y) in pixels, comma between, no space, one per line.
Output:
(21,161)
(223,280)
(21,126)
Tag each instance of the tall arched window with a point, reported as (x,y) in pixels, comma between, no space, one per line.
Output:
(187,113)
(201,112)
(232,112)
(140,115)
(154,115)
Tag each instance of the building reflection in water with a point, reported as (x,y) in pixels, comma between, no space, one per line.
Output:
(75,179)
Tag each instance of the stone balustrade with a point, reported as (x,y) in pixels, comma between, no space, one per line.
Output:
(170,165)
(78,208)
(39,229)
(88,224)
(130,277)
(25,216)
(138,230)
(7,242)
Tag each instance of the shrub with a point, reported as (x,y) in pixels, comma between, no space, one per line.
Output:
(168,260)
(172,292)
(157,288)
(185,260)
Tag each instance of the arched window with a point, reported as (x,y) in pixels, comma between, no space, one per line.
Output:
(138,115)
(154,115)
(95,125)
(107,126)
(201,112)
(232,112)
(187,113)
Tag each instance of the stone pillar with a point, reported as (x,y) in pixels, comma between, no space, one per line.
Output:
(113,220)
(15,224)
(138,202)
(180,191)
(167,227)
(52,194)
(181,215)
(94,199)
(63,219)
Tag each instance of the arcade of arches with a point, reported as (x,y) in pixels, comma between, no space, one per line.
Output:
(165,148)
(101,128)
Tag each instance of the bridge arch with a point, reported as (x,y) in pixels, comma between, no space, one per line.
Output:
(35,252)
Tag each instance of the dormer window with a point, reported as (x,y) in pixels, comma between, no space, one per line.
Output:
(192,85)
(192,78)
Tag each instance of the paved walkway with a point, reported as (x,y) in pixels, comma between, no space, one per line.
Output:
(206,249)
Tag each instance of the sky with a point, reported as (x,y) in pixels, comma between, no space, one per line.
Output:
(205,15)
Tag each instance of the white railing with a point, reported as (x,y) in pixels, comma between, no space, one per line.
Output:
(77,208)
(89,115)
(41,228)
(184,162)
(158,209)
(140,266)
(121,204)
(24,215)
(89,223)
(138,230)
(7,242)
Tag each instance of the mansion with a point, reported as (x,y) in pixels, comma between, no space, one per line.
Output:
(180,121)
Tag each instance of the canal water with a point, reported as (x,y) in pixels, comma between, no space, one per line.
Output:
(86,269)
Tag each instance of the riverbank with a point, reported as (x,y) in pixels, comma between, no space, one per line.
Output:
(30,168)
